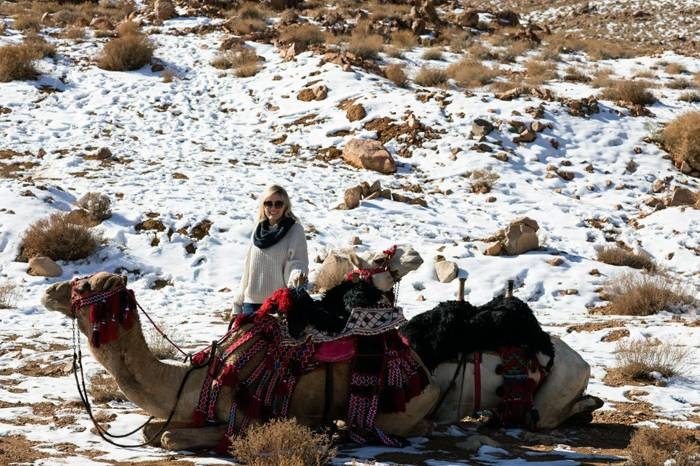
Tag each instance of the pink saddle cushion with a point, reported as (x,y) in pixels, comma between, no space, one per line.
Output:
(337,350)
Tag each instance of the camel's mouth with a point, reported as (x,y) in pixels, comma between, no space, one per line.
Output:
(57,298)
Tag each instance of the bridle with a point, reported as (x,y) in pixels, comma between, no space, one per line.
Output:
(106,315)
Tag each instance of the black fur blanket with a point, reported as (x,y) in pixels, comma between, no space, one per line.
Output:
(455,327)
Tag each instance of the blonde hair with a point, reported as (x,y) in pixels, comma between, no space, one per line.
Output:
(280,191)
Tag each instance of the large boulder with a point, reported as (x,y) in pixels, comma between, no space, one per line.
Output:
(521,236)
(164,10)
(41,266)
(369,154)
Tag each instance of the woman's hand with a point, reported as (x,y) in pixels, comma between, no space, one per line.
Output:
(297,279)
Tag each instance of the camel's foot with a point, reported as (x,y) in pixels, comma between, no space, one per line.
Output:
(154,430)
(192,438)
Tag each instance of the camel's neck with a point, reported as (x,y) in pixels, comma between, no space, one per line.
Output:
(146,381)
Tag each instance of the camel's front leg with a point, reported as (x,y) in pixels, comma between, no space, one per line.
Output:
(192,438)
(558,398)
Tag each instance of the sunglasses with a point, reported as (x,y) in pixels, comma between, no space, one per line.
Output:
(276,204)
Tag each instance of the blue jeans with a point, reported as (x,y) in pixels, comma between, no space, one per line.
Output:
(250,308)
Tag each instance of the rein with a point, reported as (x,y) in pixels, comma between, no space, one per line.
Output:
(107,299)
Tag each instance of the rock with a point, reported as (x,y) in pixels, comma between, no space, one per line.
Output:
(101,23)
(468,19)
(355,240)
(521,236)
(352,197)
(333,271)
(164,10)
(658,186)
(538,126)
(320,92)
(42,266)
(481,128)
(556,261)
(682,196)
(356,112)
(103,153)
(306,95)
(446,271)
(510,94)
(97,205)
(369,154)
(527,135)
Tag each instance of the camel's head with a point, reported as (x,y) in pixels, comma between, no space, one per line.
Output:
(57,297)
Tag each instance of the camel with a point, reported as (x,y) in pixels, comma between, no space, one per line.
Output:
(153,384)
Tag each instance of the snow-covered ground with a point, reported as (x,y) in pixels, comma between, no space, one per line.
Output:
(217,131)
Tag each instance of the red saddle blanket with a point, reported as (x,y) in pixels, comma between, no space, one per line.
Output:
(385,375)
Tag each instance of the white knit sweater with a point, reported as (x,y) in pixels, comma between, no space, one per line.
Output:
(267,270)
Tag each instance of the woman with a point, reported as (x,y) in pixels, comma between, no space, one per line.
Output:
(277,256)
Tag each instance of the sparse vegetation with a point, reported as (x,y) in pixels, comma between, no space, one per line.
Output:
(396,74)
(471,73)
(306,34)
(596,49)
(282,442)
(434,53)
(539,71)
(675,68)
(366,47)
(483,181)
(8,295)
(680,83)
(57,238)
(639,359)
(130,51)
(404,39)
(17,63)
(632,92)
(159,346)
(103,389)
(681,138)
(643,294)
(243,60)
(573,74)
(431,77)
(691,97)
(616,255)
(664,446)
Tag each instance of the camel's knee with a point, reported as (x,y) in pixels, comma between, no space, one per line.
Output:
(192,438)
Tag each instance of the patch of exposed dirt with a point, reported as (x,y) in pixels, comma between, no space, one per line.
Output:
(595,326)
(615,335)
(16,449)
(616,377)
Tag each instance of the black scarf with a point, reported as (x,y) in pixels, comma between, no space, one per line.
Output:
(266,236)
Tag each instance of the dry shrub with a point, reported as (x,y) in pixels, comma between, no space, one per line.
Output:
(431,77)
(57,238)
(596,49)
(515,50)
(74,32)
(365,46)
(39,45)
(17,63)
(483,181)
(29,21)
(643,295)
(573,74)
(481,52)
(282,442)
(696,79)
(646,74)
(539,71)
(97,205)
(680,83)
(8,295)
(638,359)
(675,68)
(251,10)
(681,138)
(434,53)
(633,92)
(103,389)
(307,34)
(690,97)
(243,60)
(396,74)
(126,28)
(602,78)
(130,51)
(615,255)
(404,39)
(159,346)
(656,447)
(459,40)
(168,76)
(471,73)
(243,26)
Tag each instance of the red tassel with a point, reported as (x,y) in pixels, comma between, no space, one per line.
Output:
(229,376)
(112,330)
(223,447)
(95,337)
(94,313)
(197,419)
(115,309)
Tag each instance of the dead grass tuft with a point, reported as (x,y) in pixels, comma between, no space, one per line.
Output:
(252,10)
(365,46)
(282,442)
(480,52)
(130,51)
(633,92)
(643,295)
(57,238)
(396,74)
(242,26)
(615,255)
(17,63)
(681,138)
(675,68)
(680,83)
(665,445)
(638,360)
(431,77)
(539,72)
(483,181)
(471,73)
(307,34)
(403,39)
(691,97)
(8,295)
(159,346)
(243,60)
(573,74)
(433,53)
(596,49)
(103,389)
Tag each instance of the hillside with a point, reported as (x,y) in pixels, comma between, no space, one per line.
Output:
(491,111)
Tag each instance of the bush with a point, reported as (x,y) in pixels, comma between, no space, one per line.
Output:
(431,77)
(483,181)
(98,206)
(432,54)
(539,71)
(675,68)
(243,60)
(130,51)
(282,442)
(57,238)
(681,138)
(306,34)
(404,39)
(243,26)
(103,389)
(471,73)
(159,346)
(365,46)
(691,97)
(637,359)
(655,447)
(8,295)
(17,63)
(633,92)
(615,255)
(643,295)
(396,74)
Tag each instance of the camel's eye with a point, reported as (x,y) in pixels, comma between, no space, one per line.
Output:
(379,260)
